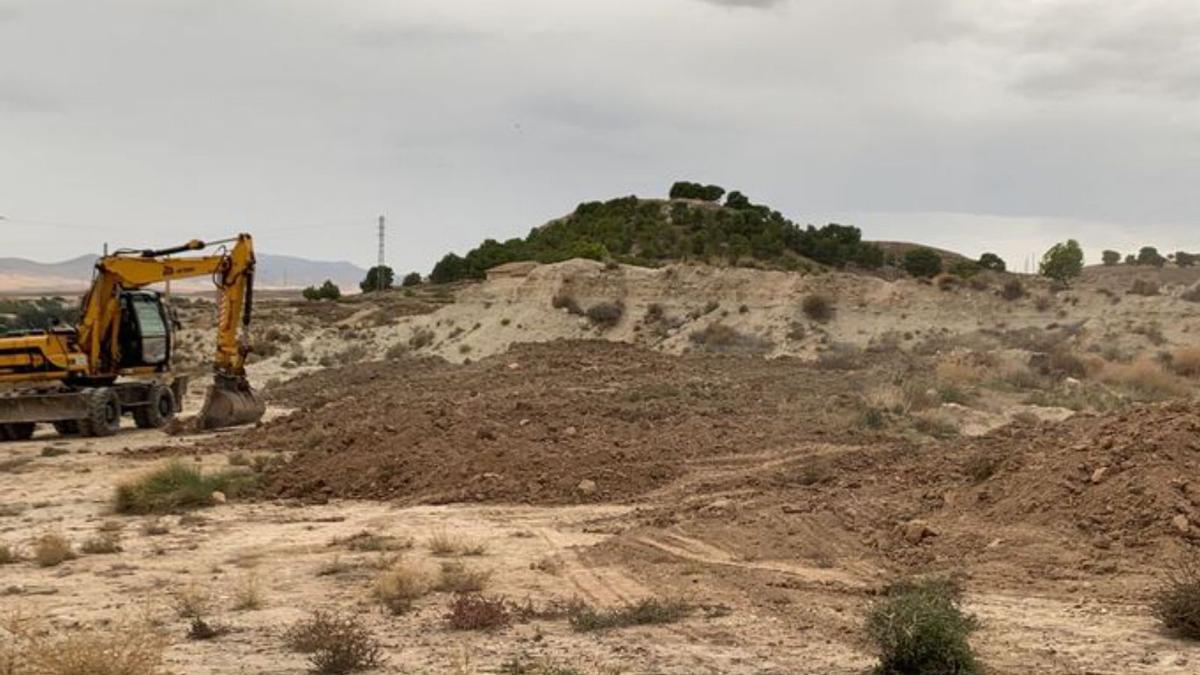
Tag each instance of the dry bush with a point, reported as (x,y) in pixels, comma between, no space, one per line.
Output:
(335,643)
(1018,376)
(888,398)
(123,649)
(191,601)
(396,352)
(818,307)
(1152,331)
(564,300)
(606,314)
(841,356)
(959,371)
(1192,294)
(1063,362)
(51,550)
(645,613)
(1146,378)
(1144,287)
(472,611)
(155,528)
(442,543)
(9,555)
(334,567)
(1186,361)
(456,577)
(401,585)
(371,542)
(1013,289)
(982,466)
(248,593)
(201,630)
(1177,601)
(101,544)
(1043,303)
(723,339)
(936,424)
(947,282)
(421,337)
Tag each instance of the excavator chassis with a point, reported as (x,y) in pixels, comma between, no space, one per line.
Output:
(90,411)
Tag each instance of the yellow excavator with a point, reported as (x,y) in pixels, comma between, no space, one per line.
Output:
(117,360)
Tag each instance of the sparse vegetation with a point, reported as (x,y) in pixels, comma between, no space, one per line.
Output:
(101,544)
(1176,602)
(1144,287)
(52,550)
(650,611)
(335,643)
(398,587)
(326,291)
(191,601)
(248,593)
(121,649)
(1013,289)
(606,314)
(455,577)
(923,263)
(818,307)
(1146,379)
(177,486)
(919,629)
(472,611)
(1186,361)
(722,338)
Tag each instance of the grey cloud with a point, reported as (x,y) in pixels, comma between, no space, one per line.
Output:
(755,4)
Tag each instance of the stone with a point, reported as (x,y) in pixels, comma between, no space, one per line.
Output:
(1098,474)
(916,531)
(1181,524)
(218,497)
(586,487)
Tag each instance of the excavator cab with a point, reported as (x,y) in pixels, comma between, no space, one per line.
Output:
(145,330)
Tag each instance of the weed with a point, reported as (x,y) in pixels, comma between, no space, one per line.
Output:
(239,458)
(647,612)
(401,585)
(1176,603)
(936,425)
(396,352)
(982,466)
(817,307)
(471,611)
(444,544)
(1012,290)
(51,550)
(333,567)
(1146,379)
(248,593)
(420,338)
(335,643)
(155,528)
(524,665)
(1144,287)
(201,630)
(177,486)
(456,577)
(566,301)
(368,541)
(720,338)
(123,649)
(841,356)
(191,601)
(101,544)
(918,628)
(1043,303)
(1186,361)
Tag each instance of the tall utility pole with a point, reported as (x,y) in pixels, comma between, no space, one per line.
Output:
(379,263)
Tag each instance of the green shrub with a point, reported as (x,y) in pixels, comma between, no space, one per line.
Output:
(1185,259)
(923,263)
(1110,258)
(411,279)
(606,314)
(645,613)
(177,486)
(919,629)
(686,190)
(327,291)
(335,643)
(992,262)
(1148,255)
(1062,262)
(379,278)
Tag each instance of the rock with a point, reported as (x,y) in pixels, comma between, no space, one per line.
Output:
(1098,474)
(1181,524)
(218,497)
(586,487)
(916,531)
(717,506)
(570,431)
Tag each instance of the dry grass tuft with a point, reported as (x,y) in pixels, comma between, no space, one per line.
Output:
(456,577)
(958,372)
(248,593)
(817,307)
(102,544)
(1146,379)
(9,555)
(191,601)
(176,486)
(647,612)
(127,649)
(401,585)
(1186,361)
(51,550)
(1177,601)
(444,544)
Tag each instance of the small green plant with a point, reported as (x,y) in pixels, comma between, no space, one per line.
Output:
(335,643)
(1176,603)
(650,611)
(177,486)
(918,628)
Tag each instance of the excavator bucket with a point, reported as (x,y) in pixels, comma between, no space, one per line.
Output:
(230,402)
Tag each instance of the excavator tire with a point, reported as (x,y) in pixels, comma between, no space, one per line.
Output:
(104,413)
(159,409)
(67,427)
(16,431)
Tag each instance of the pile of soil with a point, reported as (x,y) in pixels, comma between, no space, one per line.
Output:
(550,423)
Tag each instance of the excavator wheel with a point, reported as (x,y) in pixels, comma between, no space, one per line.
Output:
(104,413)
(67,427)
(159,409)
(16,431)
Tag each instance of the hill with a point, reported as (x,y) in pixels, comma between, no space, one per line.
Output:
(688,226)
(274,271)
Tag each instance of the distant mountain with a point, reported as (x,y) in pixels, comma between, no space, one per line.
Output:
(274,271)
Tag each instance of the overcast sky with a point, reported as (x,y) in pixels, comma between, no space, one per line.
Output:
(1000,125)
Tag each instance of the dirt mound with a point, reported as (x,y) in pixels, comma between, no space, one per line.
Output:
(556,422)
